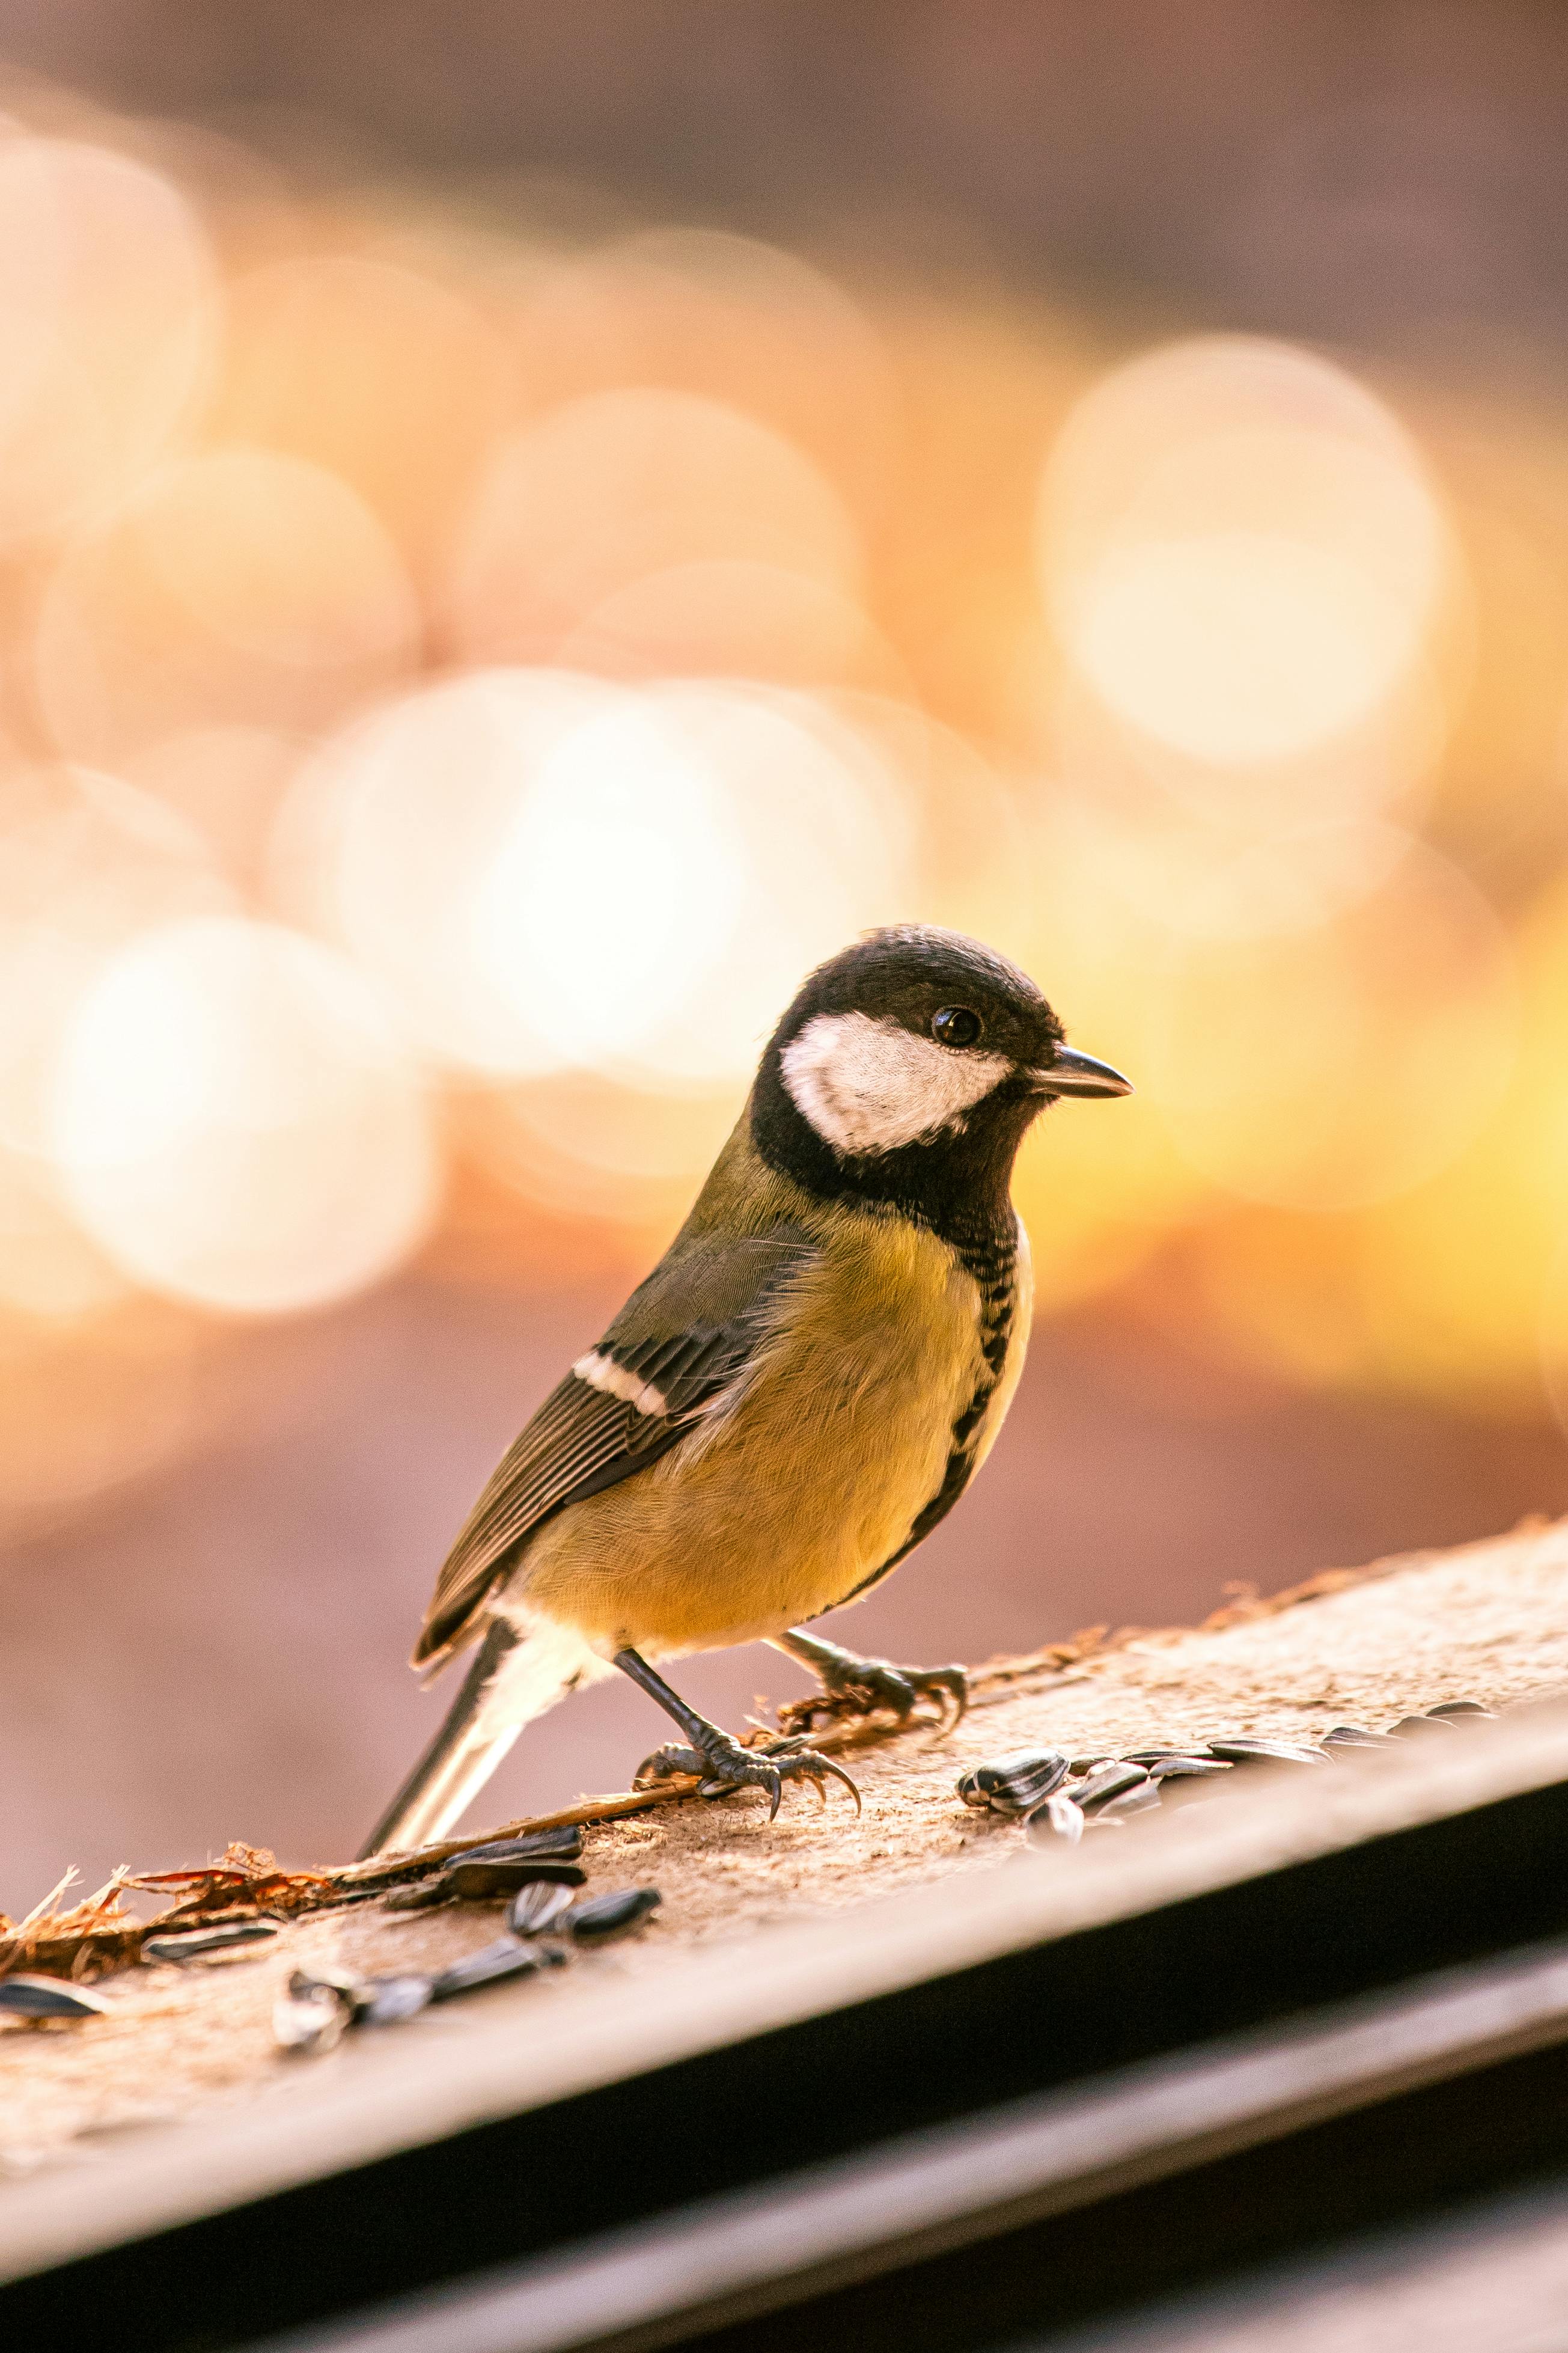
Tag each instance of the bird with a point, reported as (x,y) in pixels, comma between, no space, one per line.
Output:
(802,1388)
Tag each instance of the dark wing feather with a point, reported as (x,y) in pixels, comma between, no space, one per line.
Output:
(688,1332)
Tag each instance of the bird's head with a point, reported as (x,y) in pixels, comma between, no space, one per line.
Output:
(908,1067)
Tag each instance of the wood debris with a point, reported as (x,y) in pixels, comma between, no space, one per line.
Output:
(100,1934)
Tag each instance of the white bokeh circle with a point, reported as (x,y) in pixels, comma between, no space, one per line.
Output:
(235,1122)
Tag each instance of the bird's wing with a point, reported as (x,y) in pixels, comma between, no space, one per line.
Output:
(683,1337)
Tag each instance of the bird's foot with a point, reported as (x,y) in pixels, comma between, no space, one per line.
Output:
(723,1765)
(856,1686)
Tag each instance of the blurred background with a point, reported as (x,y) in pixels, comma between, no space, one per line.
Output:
(520,529)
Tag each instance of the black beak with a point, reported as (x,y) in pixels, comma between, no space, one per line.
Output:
(1073,1073)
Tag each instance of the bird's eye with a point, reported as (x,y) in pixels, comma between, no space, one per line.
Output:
(955,1025)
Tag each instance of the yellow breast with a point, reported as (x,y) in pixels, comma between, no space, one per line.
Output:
(809,1481)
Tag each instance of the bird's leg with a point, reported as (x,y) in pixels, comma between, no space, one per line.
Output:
(863,1684)
(722,1763)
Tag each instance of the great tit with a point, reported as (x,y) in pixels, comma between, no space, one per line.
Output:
(800,1390)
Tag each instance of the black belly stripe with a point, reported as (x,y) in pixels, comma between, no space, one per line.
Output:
(994,1264)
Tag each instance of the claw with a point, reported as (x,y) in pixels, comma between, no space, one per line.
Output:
(797,1762)
(724,1769)
(953,1684)
(814,1767)
(671,1759)
(876,1683)
(839,1775)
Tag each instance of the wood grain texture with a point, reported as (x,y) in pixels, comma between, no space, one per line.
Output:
(816,1905)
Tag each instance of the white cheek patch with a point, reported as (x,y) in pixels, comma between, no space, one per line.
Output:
(870,1086)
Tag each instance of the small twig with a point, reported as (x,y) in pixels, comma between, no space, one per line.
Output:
(42,1909)
(388,1870)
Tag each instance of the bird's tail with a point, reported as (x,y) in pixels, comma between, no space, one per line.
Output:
(517,1673)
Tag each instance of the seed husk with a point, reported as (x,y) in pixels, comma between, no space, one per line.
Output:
(564,1845)
(1460,1711)
(364,2002)
(196,1943)
(24,1996)
(422,1896)
(1185,1767)
(539,1908)
(539,1847)
(1013,1784)
(1156,1755)
(309,2024)
(472,1882)
(1354,1736)
(1060,1817)
(492,1965)
(392,1999)
(1111,1782)
(594,1919)
(325,1977)
(1248,1748)
(1408,1725)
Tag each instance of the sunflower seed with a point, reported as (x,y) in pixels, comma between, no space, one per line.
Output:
(1460,1711)
(491,1964)
(1059,1818)
(1355,1736)
(1014,1784)
(1136,1800)
(563,1845)
(538,1908)
(1248,1748)
(1089,1764)
(1149,1757)
(594,1919)
(308,2023)
(1110,1782)
(1185,1767)
(32,1997)
(195,1945)
(1408,1725)
(392,1999)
